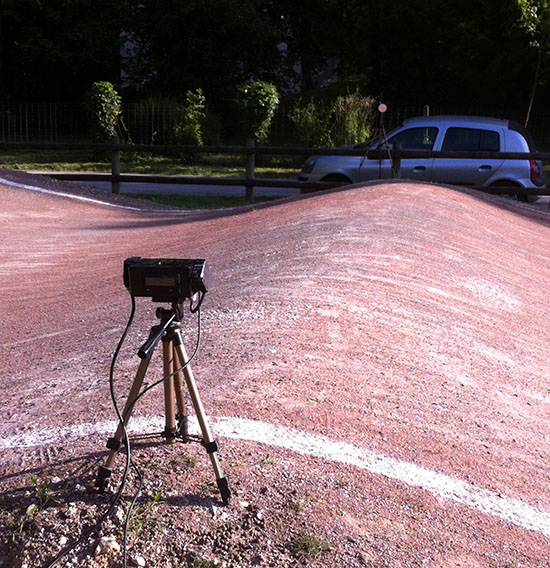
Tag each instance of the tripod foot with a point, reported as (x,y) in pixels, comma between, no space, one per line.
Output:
(169,435)
(102,479)
(225,492)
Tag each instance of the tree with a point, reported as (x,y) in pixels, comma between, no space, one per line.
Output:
(440,52)
(535,20)
(214,45)
(55,50)
(313,33)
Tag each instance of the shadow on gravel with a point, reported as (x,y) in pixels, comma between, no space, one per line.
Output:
(78,485)
(182,217)
(157,218)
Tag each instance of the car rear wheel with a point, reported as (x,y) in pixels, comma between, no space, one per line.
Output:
(521,196)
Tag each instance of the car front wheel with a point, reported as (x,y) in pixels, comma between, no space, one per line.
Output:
(337,178)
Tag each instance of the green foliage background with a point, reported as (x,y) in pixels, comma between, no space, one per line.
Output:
(346,120)
(463,54)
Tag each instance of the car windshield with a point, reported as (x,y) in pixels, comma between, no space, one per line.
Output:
(417,138)
(420,138)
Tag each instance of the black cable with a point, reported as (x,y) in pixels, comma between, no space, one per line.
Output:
(125,438)
(129,514)
(86,534)
(195,309)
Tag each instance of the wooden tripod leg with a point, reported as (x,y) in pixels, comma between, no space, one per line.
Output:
(169,403)
(114,443)
(181,416)
(209,443)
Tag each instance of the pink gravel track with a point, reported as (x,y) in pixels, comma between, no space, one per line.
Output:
(409,319)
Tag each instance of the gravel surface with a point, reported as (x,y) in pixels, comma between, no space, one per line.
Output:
(372,363)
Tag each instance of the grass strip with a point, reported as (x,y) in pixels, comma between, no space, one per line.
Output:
(200,201)
(135,163)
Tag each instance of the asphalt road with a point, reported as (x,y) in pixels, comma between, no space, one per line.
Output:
(180,189)
(211,190)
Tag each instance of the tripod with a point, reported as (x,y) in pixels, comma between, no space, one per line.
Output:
(176,425)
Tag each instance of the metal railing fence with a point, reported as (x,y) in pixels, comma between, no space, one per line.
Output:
(153,121)
(41,122)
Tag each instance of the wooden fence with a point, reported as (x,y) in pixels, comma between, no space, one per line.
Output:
(250,151)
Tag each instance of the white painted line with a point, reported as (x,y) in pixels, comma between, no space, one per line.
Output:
(81,198)
(488,502)
(505,508)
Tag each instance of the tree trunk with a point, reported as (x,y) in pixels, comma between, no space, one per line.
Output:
(534,88)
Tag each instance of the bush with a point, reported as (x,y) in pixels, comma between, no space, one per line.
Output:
(348,120)
(103,107)
(353,116)
(188,127)
(257,103)
(312,125)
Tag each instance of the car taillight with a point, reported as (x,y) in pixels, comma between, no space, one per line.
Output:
(535,170)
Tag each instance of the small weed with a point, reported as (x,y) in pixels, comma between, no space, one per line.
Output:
(308,546)
(202,563)
(268,459)
(16,525)
(142,515)
(20,527)
(295,506)
(44,493)
(190,461)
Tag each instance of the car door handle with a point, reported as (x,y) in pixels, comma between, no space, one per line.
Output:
(485,168)
(419,169)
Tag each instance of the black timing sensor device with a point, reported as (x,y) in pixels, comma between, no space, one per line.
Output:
(166,279)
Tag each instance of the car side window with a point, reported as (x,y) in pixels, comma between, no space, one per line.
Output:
(421,138)
(471,139)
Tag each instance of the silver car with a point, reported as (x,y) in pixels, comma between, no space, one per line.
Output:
(444,133)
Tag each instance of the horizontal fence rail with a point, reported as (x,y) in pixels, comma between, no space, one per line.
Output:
(250,181)
(305,186)
(275,150)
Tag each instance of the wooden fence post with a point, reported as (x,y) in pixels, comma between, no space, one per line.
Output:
(250,164)
(396,161)
(115,167)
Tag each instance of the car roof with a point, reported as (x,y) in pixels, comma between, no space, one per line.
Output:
(453,119)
